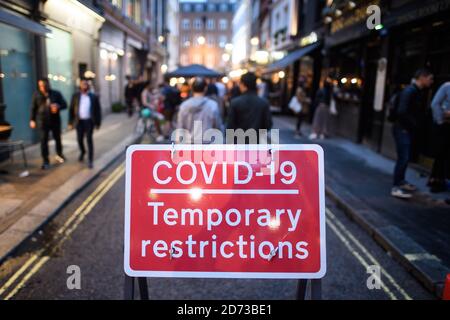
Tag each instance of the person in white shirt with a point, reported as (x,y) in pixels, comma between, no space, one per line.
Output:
(85,115)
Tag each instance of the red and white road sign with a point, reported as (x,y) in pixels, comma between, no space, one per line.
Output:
(225,211)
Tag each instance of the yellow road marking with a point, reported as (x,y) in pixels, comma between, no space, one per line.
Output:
(373,260)
(81,212)
(358,257)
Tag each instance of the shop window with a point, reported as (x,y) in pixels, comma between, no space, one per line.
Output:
(17,76)
(59,61)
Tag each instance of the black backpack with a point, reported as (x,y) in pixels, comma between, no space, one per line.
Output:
(392,107)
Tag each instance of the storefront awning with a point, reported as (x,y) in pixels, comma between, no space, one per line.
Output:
(291,58)
(23,23)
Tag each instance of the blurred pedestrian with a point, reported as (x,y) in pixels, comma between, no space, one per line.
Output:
(234,91)
(248,111)
(201,109)
(221,88)
(45,115)
(150,100)
(299,104)
(322,110)
(130,95)
(441,133)
(213,93)
(185,91)
(406,125)
(171,99)
(85,115)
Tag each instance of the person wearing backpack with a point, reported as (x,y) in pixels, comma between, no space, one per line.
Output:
(198,114)
(406,122)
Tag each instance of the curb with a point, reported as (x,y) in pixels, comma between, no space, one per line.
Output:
(49,207)
(425,267)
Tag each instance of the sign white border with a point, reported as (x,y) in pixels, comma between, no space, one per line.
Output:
(237,275)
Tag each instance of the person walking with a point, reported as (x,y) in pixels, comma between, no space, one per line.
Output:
(45,116)
(171,99)
(150,100)
(212,92)
(441,132)
(299,104)
(406,124)
(198,110)
(249,111)
(85,115)
(322,110)
(130,95)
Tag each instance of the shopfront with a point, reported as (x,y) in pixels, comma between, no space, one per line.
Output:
(59,65)
(371,65)
(72,50)
(111,77)
(419,37)
(300,65)
(18,65)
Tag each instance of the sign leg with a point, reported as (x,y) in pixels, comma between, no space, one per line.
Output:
(129,288)
(316,289)
(143,288)
(301,289)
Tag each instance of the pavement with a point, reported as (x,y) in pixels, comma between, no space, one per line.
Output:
(30,200)
(416,232)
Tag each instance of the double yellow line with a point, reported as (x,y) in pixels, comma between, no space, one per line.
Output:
(40,257)
(364,257)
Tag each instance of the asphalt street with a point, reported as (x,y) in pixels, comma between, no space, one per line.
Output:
(88,233)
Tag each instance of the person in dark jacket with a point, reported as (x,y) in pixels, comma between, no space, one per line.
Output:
(45,115)
(405,127)
(130,95)
(85,115)
(322,104)
(249,111)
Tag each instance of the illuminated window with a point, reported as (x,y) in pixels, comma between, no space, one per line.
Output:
(186,41)
(224,7)
(210,24)
(211,7)
(186,24)
(199,7)
(223,24)
(186,7)
(197,24)
(223,41)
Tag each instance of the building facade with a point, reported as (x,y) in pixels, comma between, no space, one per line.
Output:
(205,32)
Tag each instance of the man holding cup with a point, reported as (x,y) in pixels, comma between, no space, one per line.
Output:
(45,116)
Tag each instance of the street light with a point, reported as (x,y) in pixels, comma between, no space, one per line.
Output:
(254,41)
(201,40)
(226,57)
